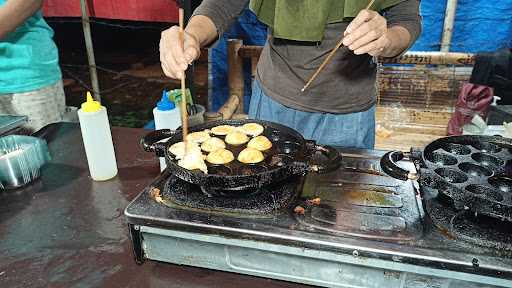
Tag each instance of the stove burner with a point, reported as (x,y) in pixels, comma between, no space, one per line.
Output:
(265,202)
(466,226)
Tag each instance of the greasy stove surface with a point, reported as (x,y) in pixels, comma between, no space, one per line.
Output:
(360,210)
(361,201)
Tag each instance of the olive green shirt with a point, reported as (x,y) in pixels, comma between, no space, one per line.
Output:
(346,85)
(305,20)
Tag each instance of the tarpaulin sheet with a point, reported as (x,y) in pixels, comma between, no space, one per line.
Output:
(139,10)
(480,26)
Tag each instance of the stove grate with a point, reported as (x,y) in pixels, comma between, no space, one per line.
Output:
(467,226)
(266,202)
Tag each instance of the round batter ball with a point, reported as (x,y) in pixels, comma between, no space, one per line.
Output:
(253,129)
(236,138)
(213,144)
(222,130)
(193,161)
(260,143)
(178,149)
(220,157)
(250,156)
(198,137)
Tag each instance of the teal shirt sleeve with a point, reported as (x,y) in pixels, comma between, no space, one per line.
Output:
(29,58)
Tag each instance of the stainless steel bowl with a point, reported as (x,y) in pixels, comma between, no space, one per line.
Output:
(21,158)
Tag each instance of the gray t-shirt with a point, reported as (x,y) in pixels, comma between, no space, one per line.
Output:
(345,85)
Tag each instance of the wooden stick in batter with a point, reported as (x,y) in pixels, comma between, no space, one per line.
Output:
(184,114)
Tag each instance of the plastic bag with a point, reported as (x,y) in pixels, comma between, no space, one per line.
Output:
(473,99)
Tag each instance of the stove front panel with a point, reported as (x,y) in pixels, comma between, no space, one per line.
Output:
(295,264)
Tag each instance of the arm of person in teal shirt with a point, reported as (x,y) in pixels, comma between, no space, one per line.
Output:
(14,12)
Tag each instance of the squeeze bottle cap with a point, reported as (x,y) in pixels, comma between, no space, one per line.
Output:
(90,105)
(165,104)
(495,100)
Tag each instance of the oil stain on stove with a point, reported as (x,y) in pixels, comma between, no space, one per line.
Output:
(355,202)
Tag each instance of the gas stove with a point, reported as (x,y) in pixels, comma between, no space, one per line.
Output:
(354,227)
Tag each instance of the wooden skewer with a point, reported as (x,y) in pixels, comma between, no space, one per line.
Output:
(331,54)
(184,114)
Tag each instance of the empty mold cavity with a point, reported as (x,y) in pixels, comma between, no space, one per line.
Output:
(451,175)
(487,160)
(456,149)
(474,170)
(485,191)
(487,147)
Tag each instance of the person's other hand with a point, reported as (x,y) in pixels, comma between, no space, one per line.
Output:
(367,33)
(173,57)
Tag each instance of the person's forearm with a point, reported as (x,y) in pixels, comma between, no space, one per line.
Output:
(400,39)
(14,12)
(203,29)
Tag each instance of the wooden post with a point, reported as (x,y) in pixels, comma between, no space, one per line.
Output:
(253,53)
(236,75)
(228,109)
(254,64)
(90,50)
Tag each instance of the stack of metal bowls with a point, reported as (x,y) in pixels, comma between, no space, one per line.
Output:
(21,158)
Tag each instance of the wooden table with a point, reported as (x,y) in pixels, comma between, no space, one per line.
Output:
(66,230)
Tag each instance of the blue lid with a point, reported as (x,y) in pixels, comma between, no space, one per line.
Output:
(165,104)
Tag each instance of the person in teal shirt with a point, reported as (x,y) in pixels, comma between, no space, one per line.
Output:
(30,77)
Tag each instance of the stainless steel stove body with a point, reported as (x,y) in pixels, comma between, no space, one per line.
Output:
(368,230)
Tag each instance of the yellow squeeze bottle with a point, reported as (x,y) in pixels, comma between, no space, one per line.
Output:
(97,139)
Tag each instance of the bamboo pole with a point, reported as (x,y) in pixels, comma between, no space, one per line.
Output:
(229,108)
(432,58)
(449,19)
(235,72)
(90,51)
(420,58)
(210,80)
(212,116)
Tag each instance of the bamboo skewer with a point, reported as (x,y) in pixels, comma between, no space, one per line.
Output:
(184,114)
(327,60)
(331,54)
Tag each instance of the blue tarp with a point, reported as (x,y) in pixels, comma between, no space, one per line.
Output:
(480,25)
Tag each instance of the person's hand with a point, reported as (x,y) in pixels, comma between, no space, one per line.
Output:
(173,57)
(367,33)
